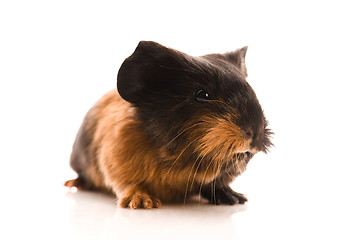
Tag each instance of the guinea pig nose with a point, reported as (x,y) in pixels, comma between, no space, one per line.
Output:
(248,132)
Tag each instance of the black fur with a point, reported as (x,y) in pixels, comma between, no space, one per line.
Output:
(222,195)
(83,154)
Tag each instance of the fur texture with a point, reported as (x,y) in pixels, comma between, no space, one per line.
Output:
(177,126)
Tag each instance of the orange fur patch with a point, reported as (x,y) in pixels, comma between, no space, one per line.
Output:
(222,138)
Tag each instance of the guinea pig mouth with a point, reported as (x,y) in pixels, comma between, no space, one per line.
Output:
(245,154)
(246,151)
(244,157)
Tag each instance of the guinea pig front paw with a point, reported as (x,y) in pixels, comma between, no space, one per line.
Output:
(139,199)
(223,195)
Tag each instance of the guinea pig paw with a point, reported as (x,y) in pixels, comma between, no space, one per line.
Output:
(224,195)
(78,183)
(139,200)
(228,196)
(241,199)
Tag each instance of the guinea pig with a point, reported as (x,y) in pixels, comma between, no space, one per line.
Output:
(177,126)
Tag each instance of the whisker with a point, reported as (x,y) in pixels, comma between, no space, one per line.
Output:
(228,174)
(179,157)
(237,165)
(196,124)
(244,165)
(214,191)
(204,177)
(189,178)
(215,179)
(195,172)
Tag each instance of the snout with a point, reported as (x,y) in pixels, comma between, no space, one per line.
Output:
(253,141)
(248,133)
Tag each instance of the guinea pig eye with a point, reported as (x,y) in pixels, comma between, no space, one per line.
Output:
(202,96)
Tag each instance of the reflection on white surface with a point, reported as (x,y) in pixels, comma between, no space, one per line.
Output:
(279,214)
(60,214)
(95,215)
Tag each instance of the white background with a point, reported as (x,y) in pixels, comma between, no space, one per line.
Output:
(58,57)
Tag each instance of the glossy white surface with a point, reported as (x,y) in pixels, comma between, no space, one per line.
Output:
(58,58)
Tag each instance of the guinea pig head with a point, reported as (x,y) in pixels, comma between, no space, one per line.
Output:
(194,107)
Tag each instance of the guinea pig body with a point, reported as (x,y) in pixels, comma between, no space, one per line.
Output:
(177,126)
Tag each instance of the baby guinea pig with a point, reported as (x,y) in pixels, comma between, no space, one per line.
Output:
(177,126)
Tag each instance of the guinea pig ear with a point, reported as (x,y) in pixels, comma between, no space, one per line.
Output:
(238,58)
(136,69)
